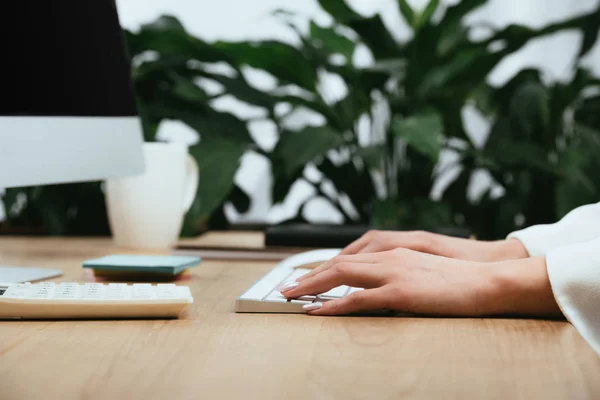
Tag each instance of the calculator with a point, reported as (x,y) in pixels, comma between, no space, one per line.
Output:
(67,300)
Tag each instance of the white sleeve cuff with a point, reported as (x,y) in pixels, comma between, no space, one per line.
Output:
(536,239)
(574,273)
(578,226)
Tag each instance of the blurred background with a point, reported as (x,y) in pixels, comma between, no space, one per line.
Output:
(476,114)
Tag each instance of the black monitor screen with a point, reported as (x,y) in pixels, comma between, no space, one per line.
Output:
(63,58)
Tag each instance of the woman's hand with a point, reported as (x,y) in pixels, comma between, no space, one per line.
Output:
(424,284)
(425,242)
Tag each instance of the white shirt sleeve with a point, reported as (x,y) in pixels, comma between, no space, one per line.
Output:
(574,273)
(572,250)
(580,225)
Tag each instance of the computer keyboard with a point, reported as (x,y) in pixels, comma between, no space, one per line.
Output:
(263,296)
(68,300)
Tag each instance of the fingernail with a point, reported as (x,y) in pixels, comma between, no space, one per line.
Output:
(312,306)
(285,286)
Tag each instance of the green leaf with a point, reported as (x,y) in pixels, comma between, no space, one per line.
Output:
(165,23)
(387,214)
(395,67)
(167,37)
(588,23)
(376,36)
(355,182)
(441,76)
(513,35)
(239,88)
(240,200)
(371,30)
(430,215)
(417,213)
(281,60)
(283,184)
(312,104)
(218,161)
(331,41)
(295,149)
(529,114)
(339,10)
(576,188)
(188,90)
(207,122)
(508,154)
(425,17)
(455,14)
(484,99)
(564,95)
(350,109)
(587,112)
(456,192)
(373,156)
(591,30)
(407,12)
(423,132)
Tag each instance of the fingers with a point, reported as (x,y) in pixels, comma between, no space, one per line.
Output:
(355,259)
(350,274)
(363,300)
(356,246)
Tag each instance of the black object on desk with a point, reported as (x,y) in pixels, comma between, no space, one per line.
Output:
(331,236)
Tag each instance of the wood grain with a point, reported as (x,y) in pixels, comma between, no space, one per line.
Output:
(214,353)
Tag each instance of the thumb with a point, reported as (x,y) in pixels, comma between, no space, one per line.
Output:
(362,300)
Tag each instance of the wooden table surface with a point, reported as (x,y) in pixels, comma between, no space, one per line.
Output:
(214,353)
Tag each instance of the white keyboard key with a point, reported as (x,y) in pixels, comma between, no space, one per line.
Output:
(337,292)
(297,273)
(302,301)
(306,298)
(276,296)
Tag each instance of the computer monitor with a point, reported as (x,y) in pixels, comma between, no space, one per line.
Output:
(67,108)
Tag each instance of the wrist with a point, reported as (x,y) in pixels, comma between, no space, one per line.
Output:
(509,249)
(520,287)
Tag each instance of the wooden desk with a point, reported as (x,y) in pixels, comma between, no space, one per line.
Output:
(216,354)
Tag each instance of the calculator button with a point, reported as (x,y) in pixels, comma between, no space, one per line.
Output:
(143,291)
(167,291)
(118,291)
(93,291)
(18,291)
(42,293)
(66,291)
(93,285)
